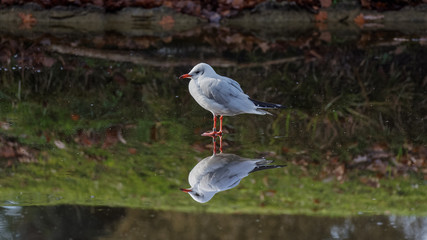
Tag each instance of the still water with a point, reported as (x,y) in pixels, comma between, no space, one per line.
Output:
(98,134)
(82,222)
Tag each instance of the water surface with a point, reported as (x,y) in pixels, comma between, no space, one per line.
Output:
(98,134)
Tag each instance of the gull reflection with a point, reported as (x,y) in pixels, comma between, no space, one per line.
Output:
(221,172)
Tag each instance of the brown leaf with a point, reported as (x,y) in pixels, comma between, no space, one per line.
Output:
(359,20)
(7,152)
(322,16)
(325,3)
(237,4)
(285,149)
(75,117)
(132,150)
(113,135)
(167,22)
(98,3)
(339,172)
(28,21)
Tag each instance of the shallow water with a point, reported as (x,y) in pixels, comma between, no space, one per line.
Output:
(98,131)
(81,222)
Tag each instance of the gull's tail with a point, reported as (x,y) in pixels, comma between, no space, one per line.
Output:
(260,104)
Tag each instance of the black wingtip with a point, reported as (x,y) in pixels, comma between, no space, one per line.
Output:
(266,105)
(265,167)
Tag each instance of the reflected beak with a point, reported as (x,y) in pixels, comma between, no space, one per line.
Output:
(185,76)
(187,190)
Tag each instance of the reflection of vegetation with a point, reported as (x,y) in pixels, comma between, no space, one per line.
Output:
(344,105)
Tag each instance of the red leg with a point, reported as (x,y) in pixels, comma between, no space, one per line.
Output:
(214,123)
(220,143)
(214,133)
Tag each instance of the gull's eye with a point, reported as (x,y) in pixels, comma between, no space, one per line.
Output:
(198,195)
(197,72)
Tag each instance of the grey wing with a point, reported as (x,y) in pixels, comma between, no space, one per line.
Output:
(222,90)
(229,175)
(220,180)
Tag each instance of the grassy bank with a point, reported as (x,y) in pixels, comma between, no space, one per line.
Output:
(98,132)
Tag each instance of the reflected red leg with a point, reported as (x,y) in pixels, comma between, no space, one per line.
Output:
(220,133)
(214,145)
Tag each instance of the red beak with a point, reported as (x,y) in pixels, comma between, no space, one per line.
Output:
(185,76)
(187,190)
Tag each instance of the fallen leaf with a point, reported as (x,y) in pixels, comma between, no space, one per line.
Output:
(237,4)
(167,22)
(339,172)
(285,149)
(132,150)
(28,21)
(321,16)
(325,3)
(75,117)
(359,20)
(112,136)
(7,152)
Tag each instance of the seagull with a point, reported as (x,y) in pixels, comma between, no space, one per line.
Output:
(221,96)
(221,172)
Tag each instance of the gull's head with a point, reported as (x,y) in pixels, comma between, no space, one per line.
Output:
(201,69)
(199,196)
